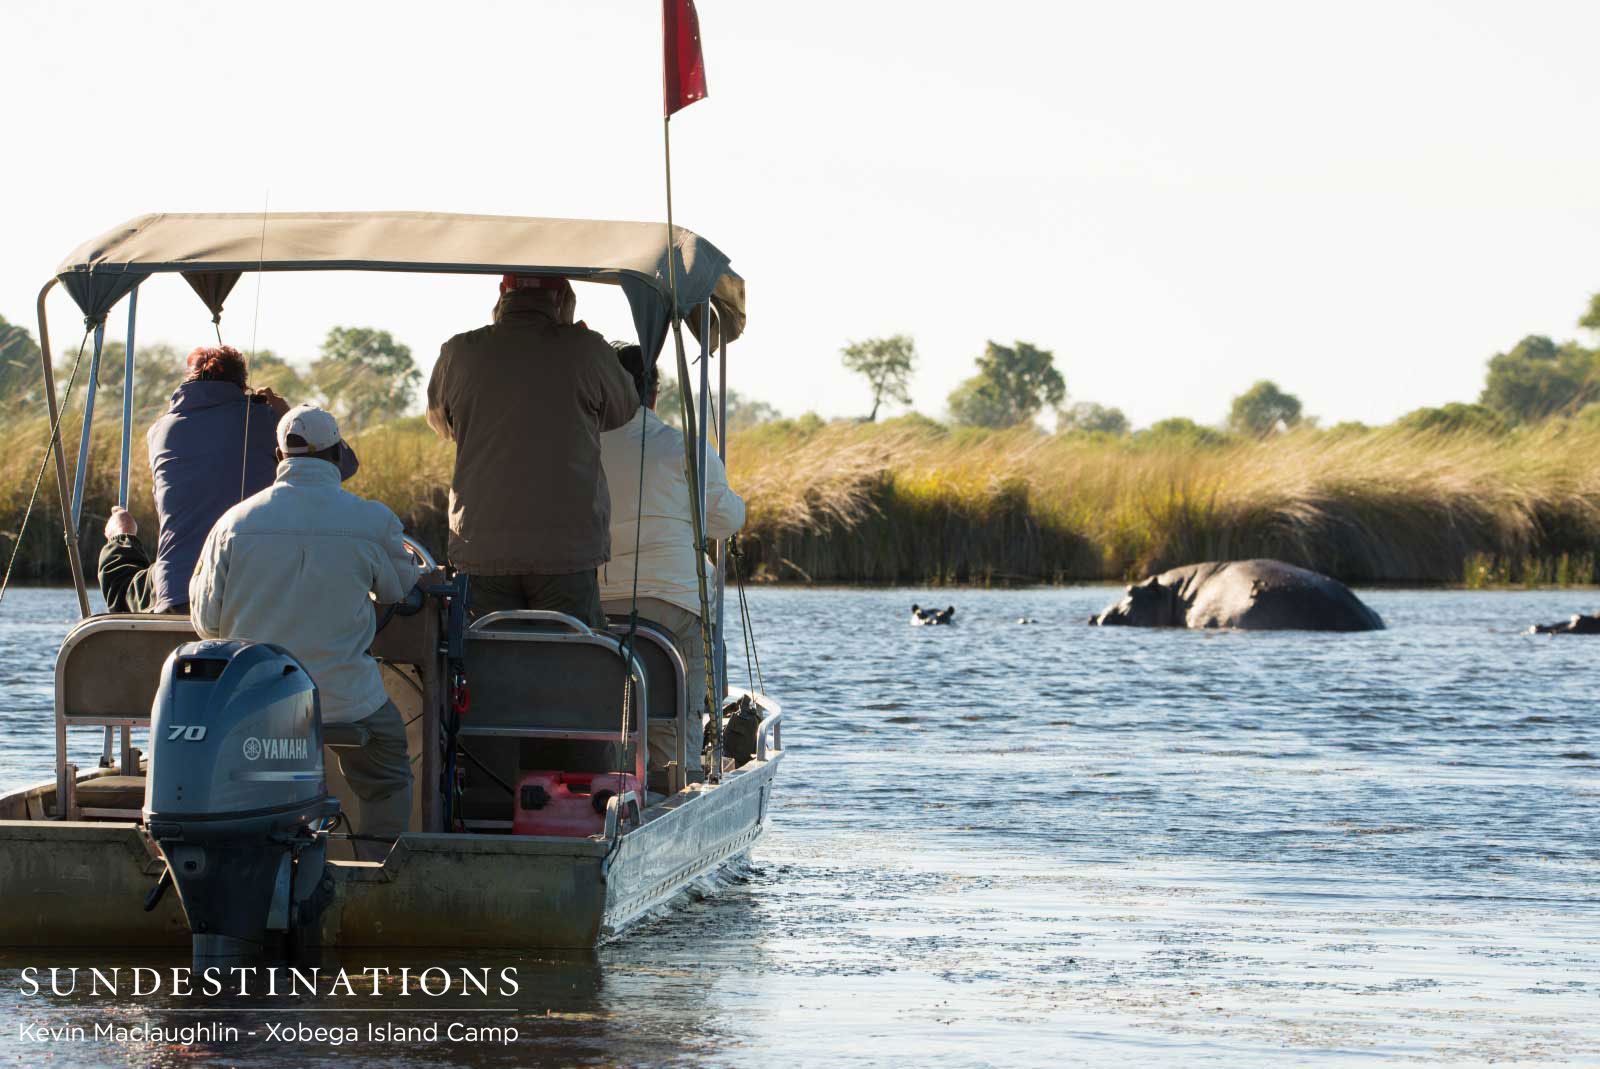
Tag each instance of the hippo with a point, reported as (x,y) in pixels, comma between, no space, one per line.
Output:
(1578,625)
(921,616)
(1253,595)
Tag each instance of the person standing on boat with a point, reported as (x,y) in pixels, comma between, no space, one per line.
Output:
(668,584)
(203,458)
(526,399)
(293,565)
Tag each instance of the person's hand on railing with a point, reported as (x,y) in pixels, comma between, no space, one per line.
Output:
(120,522)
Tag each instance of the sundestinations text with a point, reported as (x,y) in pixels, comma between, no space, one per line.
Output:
(432,982)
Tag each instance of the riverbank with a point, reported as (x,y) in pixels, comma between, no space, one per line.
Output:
(909,501)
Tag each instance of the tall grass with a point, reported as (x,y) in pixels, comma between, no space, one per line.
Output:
(913,503)
(909,501)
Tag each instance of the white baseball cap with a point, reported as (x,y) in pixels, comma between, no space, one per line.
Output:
(315,426)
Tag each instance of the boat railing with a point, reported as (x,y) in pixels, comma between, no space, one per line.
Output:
(419,551)
(769,736)
(529,616)
(769,733)
(617,808)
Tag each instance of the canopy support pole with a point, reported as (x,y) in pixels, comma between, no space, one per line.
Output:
(127,398)
(88,425)
(62,488)
(722,544)
(705,417)
(127,437)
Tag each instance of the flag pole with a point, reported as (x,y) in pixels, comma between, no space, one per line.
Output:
(672,279)
(696,477)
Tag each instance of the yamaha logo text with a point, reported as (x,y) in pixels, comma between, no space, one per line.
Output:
(276,749)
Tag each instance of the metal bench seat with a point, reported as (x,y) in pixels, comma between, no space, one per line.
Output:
(547,692)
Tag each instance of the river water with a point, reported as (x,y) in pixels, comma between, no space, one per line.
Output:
(1008,844)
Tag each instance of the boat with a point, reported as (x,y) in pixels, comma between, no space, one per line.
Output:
(80,864)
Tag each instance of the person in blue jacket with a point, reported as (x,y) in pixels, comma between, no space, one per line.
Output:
(215,447)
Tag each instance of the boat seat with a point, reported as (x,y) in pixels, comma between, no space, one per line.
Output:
(667,692)
(109,667)
(663,665)
(107,673)
(412,639)
(546,694)
(121,797)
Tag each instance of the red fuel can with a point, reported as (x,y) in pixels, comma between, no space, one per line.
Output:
(568,803)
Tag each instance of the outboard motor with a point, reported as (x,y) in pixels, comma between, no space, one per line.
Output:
(236,798)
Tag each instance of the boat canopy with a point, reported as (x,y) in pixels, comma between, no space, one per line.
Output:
(211,250)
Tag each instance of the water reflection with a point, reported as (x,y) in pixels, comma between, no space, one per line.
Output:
(996,844)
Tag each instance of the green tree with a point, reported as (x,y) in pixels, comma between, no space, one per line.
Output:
(1539,378)
(1181,431)
(887,364)
(1588,416)
(669,402)
(1453,418)
(976,402)
(1261,408)
(746,412)
(743,412)
(1591,317)
(19,363)
(1349,428)
(268,370)
(1093,418)
(365,375)
(157,371)
(1012,384)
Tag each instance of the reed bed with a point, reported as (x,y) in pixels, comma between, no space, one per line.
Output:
(909,501)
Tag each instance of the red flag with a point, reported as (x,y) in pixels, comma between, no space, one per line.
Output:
(685,66)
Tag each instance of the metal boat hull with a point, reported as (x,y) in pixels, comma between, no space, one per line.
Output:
(69,883)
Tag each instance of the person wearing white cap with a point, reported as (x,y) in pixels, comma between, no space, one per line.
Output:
(293,565)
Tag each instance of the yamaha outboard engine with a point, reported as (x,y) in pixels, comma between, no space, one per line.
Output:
(236,798)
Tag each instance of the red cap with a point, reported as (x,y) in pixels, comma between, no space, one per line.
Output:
(533,282)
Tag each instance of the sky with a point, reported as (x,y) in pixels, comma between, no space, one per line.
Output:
(1362,202)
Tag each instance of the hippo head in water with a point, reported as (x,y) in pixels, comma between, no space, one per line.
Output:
(1252,595)
(921,616)
(1146,604)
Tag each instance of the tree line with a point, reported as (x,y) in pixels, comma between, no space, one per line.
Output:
(367,377)
(362,374)
(1537,379)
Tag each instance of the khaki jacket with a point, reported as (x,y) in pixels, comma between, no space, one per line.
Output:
(293,565)
(525,401)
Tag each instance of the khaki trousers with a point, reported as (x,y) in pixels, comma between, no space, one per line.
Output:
(683,627)
(379,773)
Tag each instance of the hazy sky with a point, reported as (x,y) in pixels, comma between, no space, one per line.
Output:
(1362,201)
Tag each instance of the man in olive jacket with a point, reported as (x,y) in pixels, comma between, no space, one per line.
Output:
(525,400)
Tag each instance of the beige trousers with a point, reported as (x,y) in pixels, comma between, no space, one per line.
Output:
(379,774)
(683,627)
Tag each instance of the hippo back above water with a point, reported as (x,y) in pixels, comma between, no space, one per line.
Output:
(1253,595)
